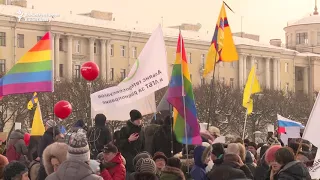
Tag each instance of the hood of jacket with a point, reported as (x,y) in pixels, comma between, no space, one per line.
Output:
(99,122)
(118,159)
(74,170)
(200,155)
(57,150)
(248,159)
(169,172)
(17,134)
(295,169)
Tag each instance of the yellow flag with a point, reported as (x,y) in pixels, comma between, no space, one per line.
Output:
(252,87)
(38,128)
(222,47)
(34,100)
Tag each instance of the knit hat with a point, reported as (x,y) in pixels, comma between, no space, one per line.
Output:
(270,153)
(160,155)
(135,115)
(146,165)
(143,154)
(110,148)
(78,147)
(174,162)
(217,149)
(14,169)
(51,123)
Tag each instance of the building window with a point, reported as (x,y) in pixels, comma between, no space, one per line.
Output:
(77,71)
(20,40)
(302,38)
(233,64)
(286,67)
(39,38)
(2,39)
(222,80)
(2,66)
(287,87)
(112,74)
(231,82)
(61,44)
(77,46)
(60,70)
(134,52)
(95,48)
(123,74)
(203,60)
(190,77)
(111,50)
(299,75)
(123,51)
(189,58)
(203,81)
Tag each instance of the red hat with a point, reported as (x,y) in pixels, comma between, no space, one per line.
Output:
(270,153)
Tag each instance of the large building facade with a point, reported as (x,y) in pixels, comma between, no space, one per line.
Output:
(97,37)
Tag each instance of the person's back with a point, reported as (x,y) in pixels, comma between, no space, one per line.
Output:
(16,146)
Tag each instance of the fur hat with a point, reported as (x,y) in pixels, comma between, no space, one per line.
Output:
(143,154)
(135,115)
(14,169)
(57,150)
(270,153)
(160,155)
(146,165)
(78,148)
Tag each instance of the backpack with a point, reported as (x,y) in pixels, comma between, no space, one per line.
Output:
(93,141)
(11,152)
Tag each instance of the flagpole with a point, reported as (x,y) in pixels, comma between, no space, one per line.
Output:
(183,97)
(246,117)
(171,125)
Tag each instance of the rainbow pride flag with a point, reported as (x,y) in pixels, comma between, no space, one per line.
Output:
(32,73)
(180,96)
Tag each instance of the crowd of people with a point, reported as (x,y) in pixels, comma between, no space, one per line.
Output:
(96,153)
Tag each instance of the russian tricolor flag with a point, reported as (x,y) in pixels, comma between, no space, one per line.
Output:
(289,127)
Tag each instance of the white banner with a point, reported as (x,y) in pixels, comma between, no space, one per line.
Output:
(148,74)
(315,169)
(146,105)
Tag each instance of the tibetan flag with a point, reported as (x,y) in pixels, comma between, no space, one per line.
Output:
(38,128)
(252,87)
(33,101)
(180,96)
(222,47)
(32,73)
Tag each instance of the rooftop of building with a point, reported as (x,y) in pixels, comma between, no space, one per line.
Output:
(311,19)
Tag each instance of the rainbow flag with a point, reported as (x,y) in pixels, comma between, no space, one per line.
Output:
(180,96)
(222,47)
(32,73)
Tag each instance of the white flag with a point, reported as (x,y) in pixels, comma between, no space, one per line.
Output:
(148,74)
(315,169)
(311,131)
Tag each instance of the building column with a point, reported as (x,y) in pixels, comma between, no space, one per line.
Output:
(268,85)
(69,70)
(108,60)
(103,59)
(305,80)
(245,74)
(279,74)
(253,61)
(91,50)
(53,54)
(275,74)
(56,56)
(240,68)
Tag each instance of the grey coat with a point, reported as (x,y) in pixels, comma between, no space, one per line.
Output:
(16,138)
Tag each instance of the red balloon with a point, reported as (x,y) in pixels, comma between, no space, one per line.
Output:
(62,109)
(26,138)
(89,71)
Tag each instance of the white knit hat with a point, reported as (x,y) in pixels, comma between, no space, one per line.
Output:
(78,148)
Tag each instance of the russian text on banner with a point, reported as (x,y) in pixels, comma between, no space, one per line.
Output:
(148,74)
(32,73)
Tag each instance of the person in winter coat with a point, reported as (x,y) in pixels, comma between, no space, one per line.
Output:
(3,163)
(15,170)
(161,160)
(146,170)
(139,156)
(249,161)
(201,158)
(113,167)
(17,149)
(76,167)
(172,171)
(162,140)
(131,140)
(231,168)
(33,147)
(290,169)
(54,155)
(99,136)
(217,154)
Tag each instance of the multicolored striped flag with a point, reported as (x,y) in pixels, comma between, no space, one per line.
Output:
(32,73)
(222,47)
(180,96)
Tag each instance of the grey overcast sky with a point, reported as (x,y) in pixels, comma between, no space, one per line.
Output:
(266,18)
